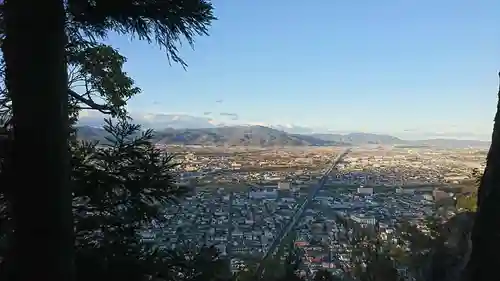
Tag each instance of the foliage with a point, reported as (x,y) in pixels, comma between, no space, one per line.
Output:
(96,79)
(96,70)
(113,198)
(431,249)
(325,275)
(476,176)
(166,23)
(5,218)
(122,186)
(284,265)
(292,261)
(120,189)
(467,202)
(372,261)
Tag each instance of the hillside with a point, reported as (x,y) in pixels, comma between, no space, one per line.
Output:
(233,136)
(237,136)
(360,138)
(90,133)
(366,138)
(451,143)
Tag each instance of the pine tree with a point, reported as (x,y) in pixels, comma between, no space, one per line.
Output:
(37,84)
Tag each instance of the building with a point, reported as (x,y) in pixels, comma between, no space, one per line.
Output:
(439,195)
(365,190)
(283,185)
(427,197)
(263,194)
(339,206)
(363,220)
(405,191)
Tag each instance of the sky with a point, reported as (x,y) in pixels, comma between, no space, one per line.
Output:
(403,67)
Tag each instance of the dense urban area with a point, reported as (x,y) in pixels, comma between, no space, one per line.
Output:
(241,199)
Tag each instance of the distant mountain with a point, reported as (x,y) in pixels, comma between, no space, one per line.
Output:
(233,136)
(452,143)
(90,133)
(293,129)
(238,136)
(360,138)
(365,138)
(266,136)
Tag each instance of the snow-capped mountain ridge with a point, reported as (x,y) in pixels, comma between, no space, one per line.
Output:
(184,121)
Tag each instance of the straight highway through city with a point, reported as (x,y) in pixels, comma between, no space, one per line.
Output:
(300,211)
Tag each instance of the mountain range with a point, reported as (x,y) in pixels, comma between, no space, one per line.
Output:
(219,136)
(255,135)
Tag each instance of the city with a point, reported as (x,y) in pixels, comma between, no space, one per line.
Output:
(242,198)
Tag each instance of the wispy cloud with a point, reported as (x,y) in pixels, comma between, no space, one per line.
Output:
(233,116)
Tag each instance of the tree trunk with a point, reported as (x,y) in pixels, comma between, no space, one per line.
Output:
(484,262)
(33,49)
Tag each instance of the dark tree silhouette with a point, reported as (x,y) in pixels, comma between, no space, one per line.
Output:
(484,259)
(120,188)
(36,82)
(325,275)
(95,67)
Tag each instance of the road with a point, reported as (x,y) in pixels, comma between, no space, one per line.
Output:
(229,245)
(300,211)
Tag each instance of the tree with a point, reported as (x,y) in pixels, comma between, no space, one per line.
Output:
(485,245)
(97,68)
(467,202)
(476,175)
(467,199)
(36,82)
(372,261)
(430,250)
(325,275)
(283,266)
(120,189)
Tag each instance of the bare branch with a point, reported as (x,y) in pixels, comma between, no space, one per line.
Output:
(90,103)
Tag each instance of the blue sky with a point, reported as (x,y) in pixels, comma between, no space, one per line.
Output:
(392,66)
